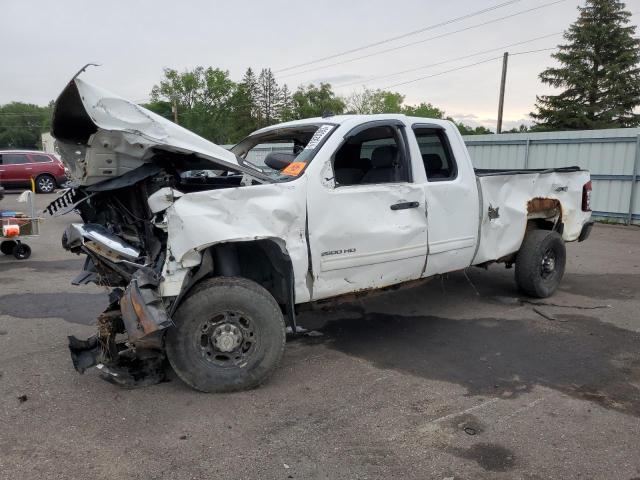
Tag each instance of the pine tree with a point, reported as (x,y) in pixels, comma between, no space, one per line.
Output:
(268,97)
(599,72)
(285,109)
(250,86)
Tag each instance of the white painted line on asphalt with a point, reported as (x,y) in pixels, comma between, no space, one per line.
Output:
(462,412)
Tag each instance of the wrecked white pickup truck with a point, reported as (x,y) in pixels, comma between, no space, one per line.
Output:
(204,269)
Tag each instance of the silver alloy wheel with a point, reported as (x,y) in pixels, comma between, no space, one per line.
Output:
(46,184)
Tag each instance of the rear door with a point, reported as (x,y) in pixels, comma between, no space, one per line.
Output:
(367,228)
(13,168)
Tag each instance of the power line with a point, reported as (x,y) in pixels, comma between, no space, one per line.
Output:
(442,35)
(399,37)
(462,67)
(533,51)
(379,77)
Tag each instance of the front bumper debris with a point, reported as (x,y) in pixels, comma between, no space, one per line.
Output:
(143,311)
(139,313)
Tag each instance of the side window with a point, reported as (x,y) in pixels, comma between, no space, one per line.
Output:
(14,159)
(375,155)
(439,163)
(38,158)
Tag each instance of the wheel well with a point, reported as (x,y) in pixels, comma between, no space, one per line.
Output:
(262,261)
(544,214)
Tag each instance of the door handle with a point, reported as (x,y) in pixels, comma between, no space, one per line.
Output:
(405,205)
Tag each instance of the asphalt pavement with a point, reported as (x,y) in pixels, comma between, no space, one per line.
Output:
(459,378)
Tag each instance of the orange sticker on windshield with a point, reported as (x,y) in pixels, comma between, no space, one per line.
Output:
(294,169)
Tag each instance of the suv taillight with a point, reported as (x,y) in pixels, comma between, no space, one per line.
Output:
(586,197)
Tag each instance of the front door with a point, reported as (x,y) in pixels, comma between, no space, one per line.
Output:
(368,226)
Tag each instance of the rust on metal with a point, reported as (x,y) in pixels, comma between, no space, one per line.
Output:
(540,204)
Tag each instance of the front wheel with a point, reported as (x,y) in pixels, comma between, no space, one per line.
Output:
(7,246)
(229,335)
(540,263)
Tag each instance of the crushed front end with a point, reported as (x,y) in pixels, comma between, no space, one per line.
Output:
(119,155)
(126,252)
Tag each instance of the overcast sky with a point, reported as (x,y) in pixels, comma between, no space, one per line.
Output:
(43,43)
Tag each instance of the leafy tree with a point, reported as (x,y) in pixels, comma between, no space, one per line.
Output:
(369,101)
(467,130)
(598,72)
(268,98)
(312,101)
(203,98)
(520,129)
(425,110)
(242,119)
(22,124)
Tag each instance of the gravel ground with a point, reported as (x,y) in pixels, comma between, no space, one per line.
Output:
(457,379)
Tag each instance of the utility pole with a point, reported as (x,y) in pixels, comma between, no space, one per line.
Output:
(174,110)
(505,60)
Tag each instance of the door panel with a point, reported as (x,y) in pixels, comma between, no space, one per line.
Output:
(13,168)
(358,241)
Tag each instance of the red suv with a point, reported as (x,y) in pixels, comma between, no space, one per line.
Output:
(18,167)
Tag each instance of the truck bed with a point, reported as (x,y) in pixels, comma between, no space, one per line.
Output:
(510,198)
(487,172)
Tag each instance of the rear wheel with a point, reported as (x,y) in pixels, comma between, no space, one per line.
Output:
(229,335)
(45,183)
(540,263)
(21,251)
(7,247)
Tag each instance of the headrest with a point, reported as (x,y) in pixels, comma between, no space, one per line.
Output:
(384,157)
(432,162)
(279,160)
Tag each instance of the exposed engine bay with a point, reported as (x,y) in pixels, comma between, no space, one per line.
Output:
(126,244)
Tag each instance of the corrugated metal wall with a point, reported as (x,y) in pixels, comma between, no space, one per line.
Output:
(612,156)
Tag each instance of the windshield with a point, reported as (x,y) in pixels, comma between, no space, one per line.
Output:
(283,153)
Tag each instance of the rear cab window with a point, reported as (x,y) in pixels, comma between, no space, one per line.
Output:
(437,157)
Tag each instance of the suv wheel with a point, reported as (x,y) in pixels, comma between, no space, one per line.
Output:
(45,184)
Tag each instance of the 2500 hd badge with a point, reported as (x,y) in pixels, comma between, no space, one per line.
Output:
(338,252)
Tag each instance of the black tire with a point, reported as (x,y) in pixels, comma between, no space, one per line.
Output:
(45,183)
(540,263)
(7,247)
(21,251)
(245,312)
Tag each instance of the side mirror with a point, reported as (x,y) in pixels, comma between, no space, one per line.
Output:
(279,160)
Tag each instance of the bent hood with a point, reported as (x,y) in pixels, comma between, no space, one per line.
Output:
(101,136)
